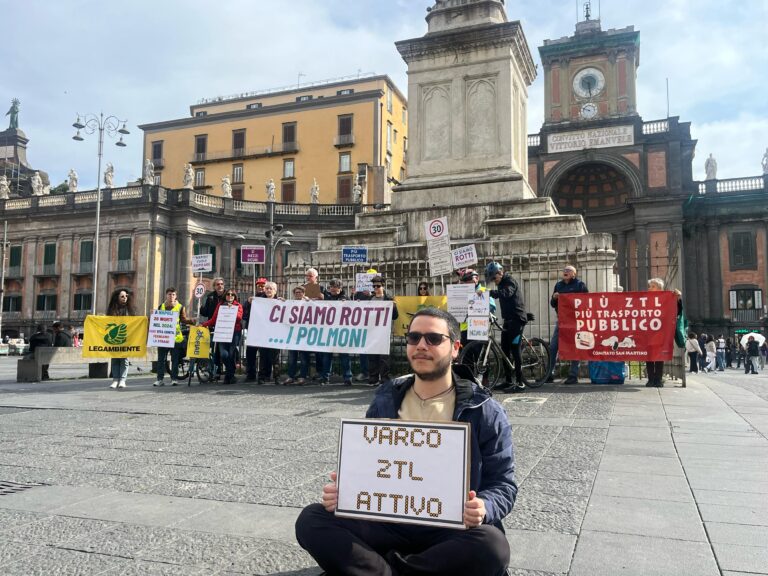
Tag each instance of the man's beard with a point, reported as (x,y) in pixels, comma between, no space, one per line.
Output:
(443,366)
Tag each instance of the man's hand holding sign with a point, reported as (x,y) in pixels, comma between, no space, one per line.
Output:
(436,450)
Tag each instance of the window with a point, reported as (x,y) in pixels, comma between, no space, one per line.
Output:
(305,98)
(157,150)
(237,173)
(288,191)
(12,303)
(237,191)
(200,177)
(46,303)
(746,299)
(201,114)
(86,251)
(201,146)
(405,116)
(238,142)
(289,169)
(124,249)
(345,92)
(156,180)
(253,106)
(389,99)
(345,125)
(83,302)
(14,259)
(201,248)
(345,162)
(388,168)
(405,144)
(49,255)
(289,133)
(394,137)
(743,251)
(389,137)
(402,174)
(344,192)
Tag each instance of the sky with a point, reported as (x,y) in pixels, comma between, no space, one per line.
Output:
(147,60)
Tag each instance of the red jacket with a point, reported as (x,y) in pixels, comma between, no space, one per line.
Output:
(238,322)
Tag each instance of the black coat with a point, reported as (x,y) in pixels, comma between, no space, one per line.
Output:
(572,287)
(210,303)
(62,339)
(39,339)
(510,300)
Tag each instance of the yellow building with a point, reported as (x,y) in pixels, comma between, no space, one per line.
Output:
(325,132)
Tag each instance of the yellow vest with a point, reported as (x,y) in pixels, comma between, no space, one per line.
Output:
(176,308)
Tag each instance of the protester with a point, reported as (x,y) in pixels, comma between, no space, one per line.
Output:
(363,358)
(295,355)
(120,304)
(693,349)
(711,349)
(752,359)
(378,364)
(212,300)
(433,393)
(177,352)
(335,293)
(655,369)
(61,337)
(423,289)
(228,350)
(268,357)
(251,352)
(569,284)
(313,291)
(513,313)
(42,339)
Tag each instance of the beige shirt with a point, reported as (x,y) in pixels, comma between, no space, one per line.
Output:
(439,409)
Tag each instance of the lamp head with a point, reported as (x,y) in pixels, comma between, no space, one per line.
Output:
(123,130)
(77,137)
(77,124)
(120,143)
(277,227)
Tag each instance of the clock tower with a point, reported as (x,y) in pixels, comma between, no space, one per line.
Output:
(591,75)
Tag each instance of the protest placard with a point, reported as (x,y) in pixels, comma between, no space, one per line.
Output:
(464,256)
(364,282)
(409,472)
(478,316)
(317,326)
(478,327)
(202,263)
(226,318)
(162,328)
(115,336)
(617,326)
(458,298)
(199,342)
(407,306)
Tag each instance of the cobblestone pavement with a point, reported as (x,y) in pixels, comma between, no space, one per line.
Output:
(209,480)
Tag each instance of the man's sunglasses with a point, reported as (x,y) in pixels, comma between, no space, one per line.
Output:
(377,285)
(432,338)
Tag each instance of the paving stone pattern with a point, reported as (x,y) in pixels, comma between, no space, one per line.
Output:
(208,480)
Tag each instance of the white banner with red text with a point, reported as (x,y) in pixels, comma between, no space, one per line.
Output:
(319,326)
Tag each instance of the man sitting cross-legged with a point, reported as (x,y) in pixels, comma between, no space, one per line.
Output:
(348,547)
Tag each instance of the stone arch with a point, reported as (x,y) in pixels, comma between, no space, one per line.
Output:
(622,167)
(436,130)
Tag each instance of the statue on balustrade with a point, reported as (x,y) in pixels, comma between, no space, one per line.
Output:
(109,175)
(710,167)
(270,190)
(72,184)
(314,192)
(357,191)
(149,172)
(765,162)
(14,114)
(189,177)
(226,187)
(37,184)
(5,190)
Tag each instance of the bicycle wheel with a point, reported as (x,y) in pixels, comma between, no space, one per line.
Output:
(183,369)
(203,369)
(535,355)
(484,361)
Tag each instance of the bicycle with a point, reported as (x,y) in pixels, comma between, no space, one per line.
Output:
(486,360)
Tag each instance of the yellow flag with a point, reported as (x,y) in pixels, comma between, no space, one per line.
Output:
(199,342)
(407,306)
(115,337)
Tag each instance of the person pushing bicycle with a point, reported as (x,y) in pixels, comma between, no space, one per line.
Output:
(514,317)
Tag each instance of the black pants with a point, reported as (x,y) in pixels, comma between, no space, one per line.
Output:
(510,343)
(693,360)
(655,371)
(345,547)
(378,368)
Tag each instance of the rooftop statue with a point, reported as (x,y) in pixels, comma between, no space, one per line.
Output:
(765,162)
(189,177)
(4,188)
(72,184)
(14,114)
(109,175)
(226,187)
(710,167)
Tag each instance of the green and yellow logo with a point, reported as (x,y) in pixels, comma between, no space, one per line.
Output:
(116,334)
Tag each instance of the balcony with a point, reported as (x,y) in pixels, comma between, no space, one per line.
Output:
(44,315)
(344,140)
(83,269)
(246,153)
(79,314)
(753,315)
(46,270)
(13,272)
(12,315)
(158,163)
(122,267)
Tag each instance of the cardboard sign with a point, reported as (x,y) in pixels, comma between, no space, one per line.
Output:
(479,304)
(458,298)
(617,326)
(354,254)
(199,342)
(115,336)
(478,327)
(317,326)
(464,256)
(253,254)
(313,291)
(202,263)
(409,472)
(226,318)
(162,328)
(364,282)
(407,306)
(440,263)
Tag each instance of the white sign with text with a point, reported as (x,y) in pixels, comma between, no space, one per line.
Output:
(226,318)
(458,296)
(162,328)
(202,263)
(464,256)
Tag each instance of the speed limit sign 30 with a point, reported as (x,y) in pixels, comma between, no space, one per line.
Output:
(199,290)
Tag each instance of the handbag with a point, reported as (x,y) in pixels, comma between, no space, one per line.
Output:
(681,330)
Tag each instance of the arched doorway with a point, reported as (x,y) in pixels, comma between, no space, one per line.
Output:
(591,188)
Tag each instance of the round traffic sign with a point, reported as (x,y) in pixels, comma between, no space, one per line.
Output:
(199,290)
(436,228)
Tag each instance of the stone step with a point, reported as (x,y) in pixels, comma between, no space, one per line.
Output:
(381,236)
(533,227)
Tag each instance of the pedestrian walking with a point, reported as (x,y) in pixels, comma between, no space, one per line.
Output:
(752,360)
(720,353)
(694,350)
(120,304)
(62,338)
(711,349)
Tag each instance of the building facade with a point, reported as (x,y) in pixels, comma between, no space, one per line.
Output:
(325,133)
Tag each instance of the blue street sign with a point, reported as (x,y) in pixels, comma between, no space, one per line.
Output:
(354,254)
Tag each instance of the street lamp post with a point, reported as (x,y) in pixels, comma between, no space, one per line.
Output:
(277,236)
(90,123)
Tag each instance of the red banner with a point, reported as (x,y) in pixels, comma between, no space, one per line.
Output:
(617,326)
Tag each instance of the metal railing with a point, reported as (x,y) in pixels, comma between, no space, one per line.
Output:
(44,314)
(158,162)
(46,270)
(85,268)
(13,272)
(12,315)
(753,315)
(344,140)
(282,148)
(123,266)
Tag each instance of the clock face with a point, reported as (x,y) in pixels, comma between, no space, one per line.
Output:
(588,111)
(588,83)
